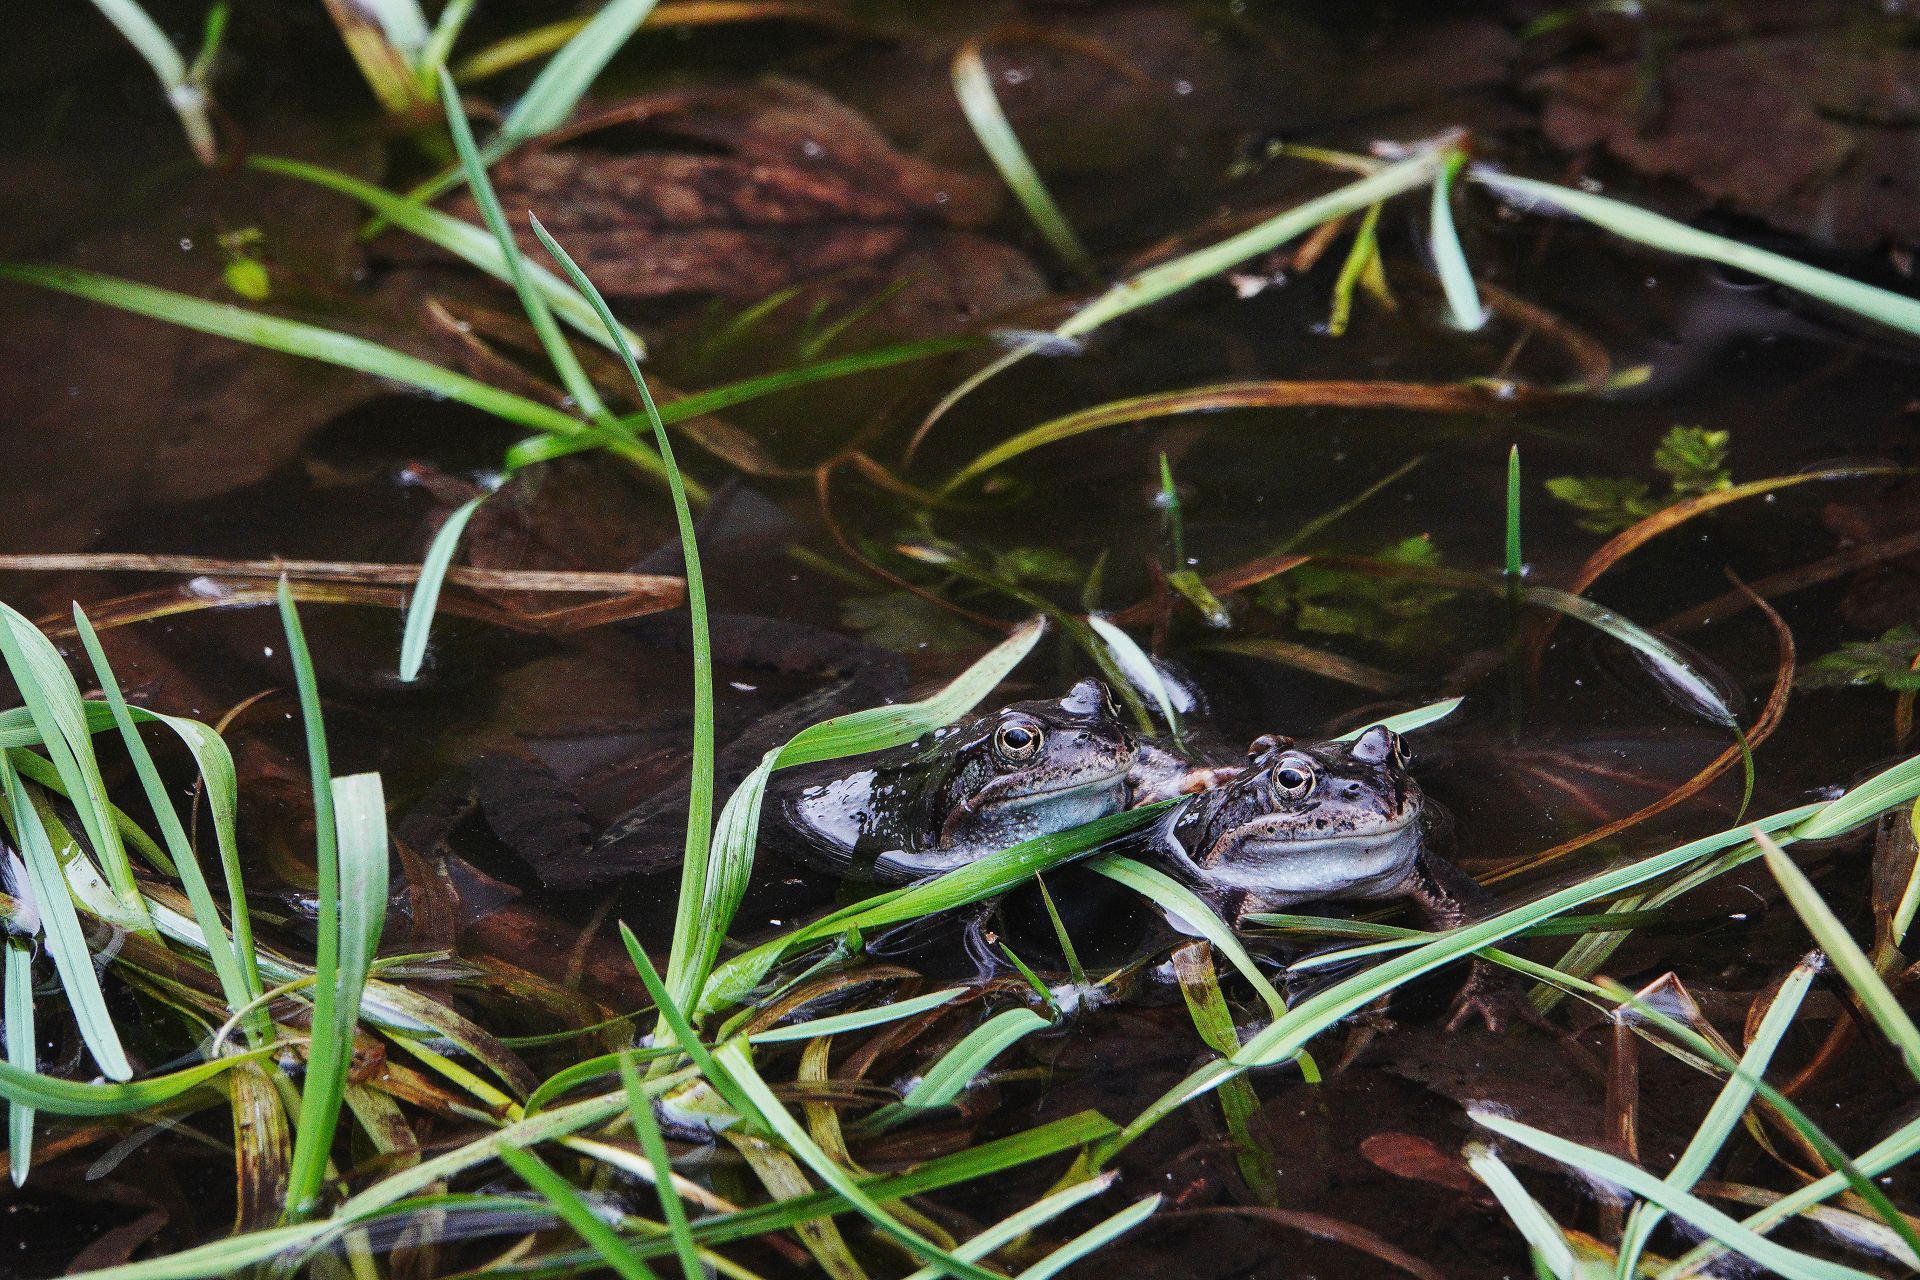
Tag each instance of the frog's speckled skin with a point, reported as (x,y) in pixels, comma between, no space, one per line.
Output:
(1029,769)
(1320,820)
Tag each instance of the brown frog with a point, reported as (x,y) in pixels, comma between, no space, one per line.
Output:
(1339,820)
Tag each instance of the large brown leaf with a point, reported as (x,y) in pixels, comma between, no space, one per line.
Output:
(742,191)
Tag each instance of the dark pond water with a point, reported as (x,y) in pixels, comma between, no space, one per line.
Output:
(121,434)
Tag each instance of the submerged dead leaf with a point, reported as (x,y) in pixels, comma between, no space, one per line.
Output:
(1811,129)
(742,191)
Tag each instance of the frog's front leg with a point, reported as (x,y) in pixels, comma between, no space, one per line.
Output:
(1157,774)
(1449,898)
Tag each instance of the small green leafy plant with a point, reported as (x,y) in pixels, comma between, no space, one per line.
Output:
(1393,614)
(1693,459)
(1887,662)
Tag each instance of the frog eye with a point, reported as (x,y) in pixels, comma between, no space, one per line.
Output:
(1017,742)
(1293,779)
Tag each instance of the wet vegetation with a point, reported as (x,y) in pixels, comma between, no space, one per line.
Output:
(641,403)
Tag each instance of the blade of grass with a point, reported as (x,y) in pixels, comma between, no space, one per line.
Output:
(1724,1229)
(184,92)
(461,238)
(1449,259)
(439,44)
(696,929)
(532,301)
(1851,962)
(1364,256)
(1165,279)
(295,338)
(17,1009)
(66,945)
(1027,1220)
(1657,232)
(578,1214)
(324,1084)
(647,1129)
(1408,721)
(730,1071)
(1065,940)
(960,1066)
(1093,1238)
(557,90)
(59,715)
(1213,1019)
(1543,1235)
(426,595)
(858,1019)
(973,86)
(1728,1106)
(1139,668)
(220,952)
(1516,567)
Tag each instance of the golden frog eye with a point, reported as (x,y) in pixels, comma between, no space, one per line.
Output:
(1293,779)
(1017,742)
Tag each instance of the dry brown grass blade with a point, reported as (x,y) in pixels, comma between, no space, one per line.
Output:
(1729,603)
(262,1147)
(147,606)
(360,572)
(1323,1227)
(1318,662)
(1763,727)
(1419,397)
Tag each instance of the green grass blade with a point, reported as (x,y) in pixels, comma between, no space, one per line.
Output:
(730,1071)
(1190,910)
(974,88)
(1704,1217)
(697,929)
(1139,668)
(474,245)
(1853,964)
(1363,257)
(220,952)
(1168,278)
(769,1111)
(426,593)
(1096,1237)
(578,1214)
(1651,229)
(1449,259)
(1689,688)
(532,301)
(66,945)
(1165,279)
(959,1066)
(328,1057)
(647,1129)
(17,1008)
(294,338)
(439,44)
(546,448)
(978,880)
(1541,1232)
(557,90)
(1029,1219)
(1903,911)
(53,699)
(1408,721)
(184,93)
(91,1099)
(1722,1116)
(858,1019)
(1516,566)
(1213,1019)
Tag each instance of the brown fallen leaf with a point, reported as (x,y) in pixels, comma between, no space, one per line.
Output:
(1407,1155)
(1811,128)
(741,191)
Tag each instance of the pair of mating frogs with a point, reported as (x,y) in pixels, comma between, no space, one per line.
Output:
(1337,820)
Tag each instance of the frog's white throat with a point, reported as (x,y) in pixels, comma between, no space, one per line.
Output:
(1370,864)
